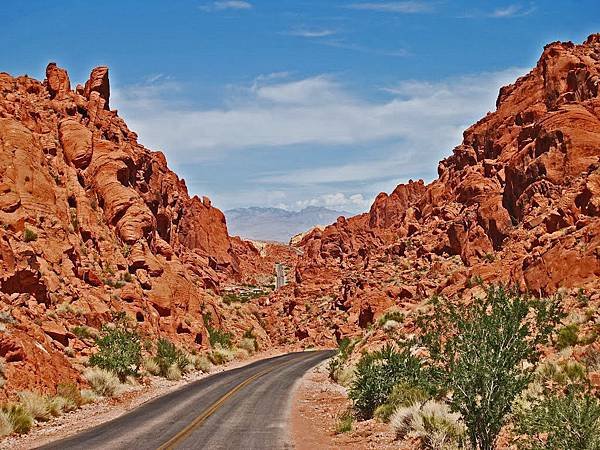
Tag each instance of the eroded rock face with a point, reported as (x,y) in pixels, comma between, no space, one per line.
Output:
(92,223)
(516,202)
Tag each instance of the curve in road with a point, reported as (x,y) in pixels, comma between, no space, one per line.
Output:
(243,408)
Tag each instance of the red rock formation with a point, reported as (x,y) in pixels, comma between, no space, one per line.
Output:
(517,201)
(92,222)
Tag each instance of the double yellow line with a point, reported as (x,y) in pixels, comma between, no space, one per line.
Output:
(184,434)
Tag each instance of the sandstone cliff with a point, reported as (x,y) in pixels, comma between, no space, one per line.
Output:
(518,201)
(92,223)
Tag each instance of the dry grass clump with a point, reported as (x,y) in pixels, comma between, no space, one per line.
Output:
(432,423)
(88,396)
(390,325)
(201,363)
(19,418)
(102,381)
(70,393)
(36,405)
(248,344)
(221,355)
(6,427)
(173,373)
(151,366)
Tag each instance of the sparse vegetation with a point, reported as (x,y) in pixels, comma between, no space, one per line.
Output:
(403,395)
(36,405)
(169,358)
(119,349)
(103,382)
(29,235)
(376,375)
(344,422)
(433,423)
(568,336)
(71,393)
(20,420)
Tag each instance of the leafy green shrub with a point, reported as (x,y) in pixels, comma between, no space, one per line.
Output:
(478,354)
(29,235)
(103,382)
(216,336)
(20,419)
(560,422)
(376,375)
(568,336)
(119,350)
(168,355)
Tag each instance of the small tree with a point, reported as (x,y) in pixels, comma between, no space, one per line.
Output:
(484,354)
(167,355)
(119,348)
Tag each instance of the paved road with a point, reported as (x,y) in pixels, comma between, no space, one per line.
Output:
(243,408)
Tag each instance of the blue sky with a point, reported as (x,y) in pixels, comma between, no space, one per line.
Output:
(294,103)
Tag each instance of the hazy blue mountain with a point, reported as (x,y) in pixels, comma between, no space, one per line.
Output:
(275,224)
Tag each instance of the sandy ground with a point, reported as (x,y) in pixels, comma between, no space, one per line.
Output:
(316,406)
(108,409)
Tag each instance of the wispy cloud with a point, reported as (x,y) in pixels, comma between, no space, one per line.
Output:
(406,7)
(512,11)
(503,12)
(338,43)
(311,32)
(226,4)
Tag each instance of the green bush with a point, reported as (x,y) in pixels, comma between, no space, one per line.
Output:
(222,338)
(29,235)
(560,422)
(344,422)
(119,349)
(376,375)
(568,336)
(168,356)
(478,355)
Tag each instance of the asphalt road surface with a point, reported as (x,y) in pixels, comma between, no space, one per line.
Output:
(243,408)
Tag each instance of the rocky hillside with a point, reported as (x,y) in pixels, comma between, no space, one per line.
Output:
(93,223)
(518,201)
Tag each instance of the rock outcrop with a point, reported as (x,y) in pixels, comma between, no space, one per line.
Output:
(516,202)
(94,223)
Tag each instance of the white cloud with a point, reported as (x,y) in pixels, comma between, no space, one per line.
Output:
(512,11)
(338,200)
(406,7)
(311,32)
(222,5)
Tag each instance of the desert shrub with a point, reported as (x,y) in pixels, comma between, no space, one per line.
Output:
(103,382)
(396,316)
(345,347)
(168,355)
(29,235)
(560,422)
(376,375)
(220,355)
(479,354)
(218,337)
(248,344)
(344,422)
(88,396)
(202,363)
(36,405)
(71,393)
(20,419)
(151,366)
(173,373)
(432,423)
(6,427)
(568,336)
(402,394)
(119,349)
(57,405)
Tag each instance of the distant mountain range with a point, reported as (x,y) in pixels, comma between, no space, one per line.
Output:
(275,224)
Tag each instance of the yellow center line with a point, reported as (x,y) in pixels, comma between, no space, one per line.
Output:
(183,434)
